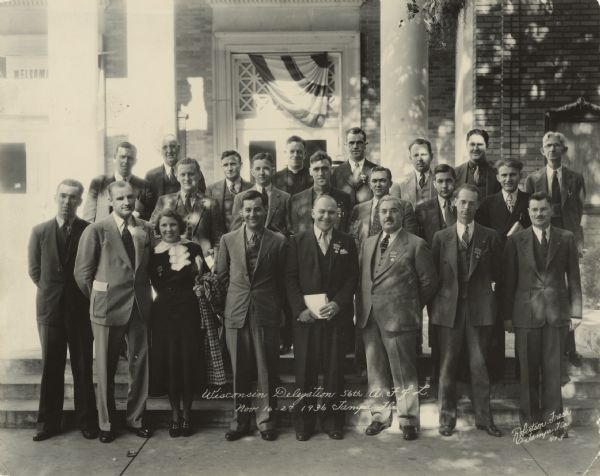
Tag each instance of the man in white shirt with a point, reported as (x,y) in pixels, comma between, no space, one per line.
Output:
(542,301)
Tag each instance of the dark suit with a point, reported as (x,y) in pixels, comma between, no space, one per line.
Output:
(494,214)
(97,205)
(162,185)
(319,345)
(291,182)
(540,297)
(430,219)
(465,311)
(253,309)
(393,289)
(203,222)
(361,226)
(408,189)
(63,320)
(301,207)
(277,214)
(488,183)
(342,179)
(220,192)
(120,298)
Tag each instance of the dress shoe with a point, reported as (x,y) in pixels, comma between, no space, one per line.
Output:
(142,431)
(44,435)
(285,349)
(186,428)
(106,436)
(409,432)
(268,435)
(234,435)
(90,434)
(174,429)
(376,427)
(302,436)
(491,429)
(336,434)
(445,430)
(560,433)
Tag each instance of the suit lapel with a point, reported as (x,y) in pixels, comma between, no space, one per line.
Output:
(239,249)
(529,251)
(265,244)
(566,185)
(197,213)
(394,252)
(553,245)
(369,252)
(347,172)
(452,244)
(310,249)
(110,228)
(542,181)
(274,203)
(53,242)
(478,247)
(139,240)
(336,242)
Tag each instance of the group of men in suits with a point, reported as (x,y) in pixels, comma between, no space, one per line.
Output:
(459,243)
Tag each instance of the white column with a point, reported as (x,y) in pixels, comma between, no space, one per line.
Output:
(151,77)
(404,88)
(75,147)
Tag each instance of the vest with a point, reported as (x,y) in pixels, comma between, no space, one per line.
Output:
(463,256)
(252,255)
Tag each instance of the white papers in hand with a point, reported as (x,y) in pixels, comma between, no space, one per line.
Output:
(314,302)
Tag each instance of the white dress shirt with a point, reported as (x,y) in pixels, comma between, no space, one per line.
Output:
(538,233)
(460,230)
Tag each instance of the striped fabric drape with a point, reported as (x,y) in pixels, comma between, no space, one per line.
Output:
(297,84)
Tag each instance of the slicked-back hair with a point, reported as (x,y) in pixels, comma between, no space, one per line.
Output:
(118,184)
(379,168)
(508,162)
(539,196)
(169,213)
(230,153)
(559,135)
(443,169)
(357,130)
(253,195)
(71,183)
(470,188)
(291,139)
(126,145)
(262,156)
(421,141)
(189,161)
(320,155)
(391,198)
(480,132)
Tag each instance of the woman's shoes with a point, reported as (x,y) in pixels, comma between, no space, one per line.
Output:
(175,429)
(186,428)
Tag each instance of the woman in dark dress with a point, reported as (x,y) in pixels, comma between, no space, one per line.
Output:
(176,351)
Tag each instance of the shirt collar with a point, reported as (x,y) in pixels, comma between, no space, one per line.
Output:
(550,171)
(538,233)
(268,188)
(168,169)
(193,195)
(442,201)
(247,233)
(514,195)
(460,229)
(426,174)
(120,222)
(294,171)
(237,183)
(120,178)
(392,235)
(318,232)
(360,164)
(61,222)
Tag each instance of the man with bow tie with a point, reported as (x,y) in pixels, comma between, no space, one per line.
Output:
(62,316)
(418,186)
(566,189)
(468,260)
(506,212)
(542,300)
(163,179)
(250,267)
(477,170)
(397,279)
(322,261)
(112,270)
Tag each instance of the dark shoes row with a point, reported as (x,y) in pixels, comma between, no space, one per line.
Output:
(409,432)
(491,430)
(183,428)
(271,435)
(102,435)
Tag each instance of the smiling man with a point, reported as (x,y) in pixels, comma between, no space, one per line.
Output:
(477,170)
(112,270)
(98,204)
(542,300)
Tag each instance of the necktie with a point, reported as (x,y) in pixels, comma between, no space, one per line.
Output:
(232,189)
(173,177)
(466,237)
(252,239)
(188,203)
(384,243)
(422,181)
(323,243)
(509,202)
(556,198)
(448,213)
(376,223)
(476,174)
(356,174)
(128,243)
(265,197)
(544,241)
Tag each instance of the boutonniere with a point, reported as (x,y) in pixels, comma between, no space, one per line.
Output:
(337,249)
(363,178)
(477,252)
(205,202)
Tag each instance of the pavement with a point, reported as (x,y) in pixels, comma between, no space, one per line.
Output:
(468,451)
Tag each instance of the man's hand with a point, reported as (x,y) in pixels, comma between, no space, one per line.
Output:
(306,317)
(575,322)
(508,327)
(329,310)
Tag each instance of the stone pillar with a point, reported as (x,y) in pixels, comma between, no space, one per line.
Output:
(464,99)
(404,84)
(151,77)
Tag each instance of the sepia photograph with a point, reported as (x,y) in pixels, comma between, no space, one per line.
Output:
(300,237)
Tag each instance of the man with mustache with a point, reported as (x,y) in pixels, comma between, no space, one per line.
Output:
(98,204)
(478,171)
(112,270)
(163,179)
(542,300)
(397,278)
(418,186)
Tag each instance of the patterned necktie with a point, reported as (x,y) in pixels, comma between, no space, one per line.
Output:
(544,241)
(128,243)
(252,240)
(509,203)
(422,181)
(476,174)
(323,244)
(188,203)
(173,177)
(448,213)
(376,223)
(556,197)
(465,236)
(232,189)
(384,243)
